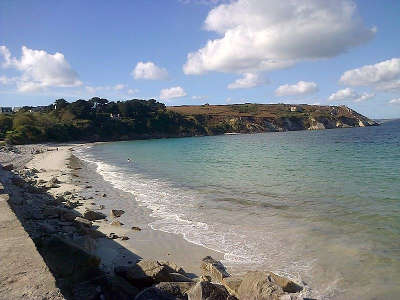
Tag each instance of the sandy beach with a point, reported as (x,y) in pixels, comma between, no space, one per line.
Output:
(74,177)
(75,220)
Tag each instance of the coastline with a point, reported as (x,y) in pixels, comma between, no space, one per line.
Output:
(52,190)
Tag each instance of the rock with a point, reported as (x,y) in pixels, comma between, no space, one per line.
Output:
(104,195)
(286,284)
(174,267)
(101,206)
(54,181)
(153,293)
(232,284)
(214,269)
(204,290)
(51,212)
(124,238)
(257,285)
(88,187)
(67,193)
(178,277)
(72,204)
(119,285)
(116,213)
(116,223)
(83,222)
(178,289)
(1,188)
(147,272)
(112,236)
(69,216)
(136,228)
(92,215)
(8,167)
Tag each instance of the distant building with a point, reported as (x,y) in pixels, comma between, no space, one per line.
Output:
(16,109)
(6,110)
(296,108)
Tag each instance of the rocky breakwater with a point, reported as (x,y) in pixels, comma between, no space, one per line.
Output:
(165,280)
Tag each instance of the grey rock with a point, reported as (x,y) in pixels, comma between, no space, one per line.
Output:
(204,290)
(153,293)
(257,285)
(116,213)
(214,269)
(146,273)
(82,222)
(92,215)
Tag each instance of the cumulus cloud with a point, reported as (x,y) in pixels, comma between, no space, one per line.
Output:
(40,69)
(273,34)
(384,75)
(150,71)
(300,88)
(248,80)
(395,101)
(349,94)
(173,92)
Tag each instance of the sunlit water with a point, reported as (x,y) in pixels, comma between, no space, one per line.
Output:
(319,206)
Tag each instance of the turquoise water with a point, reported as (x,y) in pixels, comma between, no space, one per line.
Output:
(319,206)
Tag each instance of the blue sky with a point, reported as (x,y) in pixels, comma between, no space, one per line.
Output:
(314,51)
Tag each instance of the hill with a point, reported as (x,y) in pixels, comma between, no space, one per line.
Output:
(98,119)
(248,118)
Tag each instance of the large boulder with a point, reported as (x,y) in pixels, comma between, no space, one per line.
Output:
(205,290)
(214,269)
(92,215)
(232,284)
(286,284)
(166,291)
(258,285)
(149,272)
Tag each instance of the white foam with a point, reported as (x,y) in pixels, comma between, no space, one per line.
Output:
(176,211)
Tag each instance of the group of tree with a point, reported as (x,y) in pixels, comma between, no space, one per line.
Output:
(96,119)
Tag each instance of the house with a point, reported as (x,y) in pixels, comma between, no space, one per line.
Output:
(296,108)
(6,110)
(16,109)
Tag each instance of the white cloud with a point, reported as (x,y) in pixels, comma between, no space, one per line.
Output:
(173,92)
(8,80)
(228,100)
(350,94)
(384,75)
(300,88)
(199,97)
(273,34)
(119,87)
(149,70)
(40,69)
(248,80)
(395,101)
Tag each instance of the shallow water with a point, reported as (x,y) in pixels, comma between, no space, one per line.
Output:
(320,206)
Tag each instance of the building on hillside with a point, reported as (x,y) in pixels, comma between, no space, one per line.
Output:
(296,108)
(6,110)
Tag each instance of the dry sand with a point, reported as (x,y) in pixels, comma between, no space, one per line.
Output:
(145,244)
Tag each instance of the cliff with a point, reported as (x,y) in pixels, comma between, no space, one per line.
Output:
(252,118)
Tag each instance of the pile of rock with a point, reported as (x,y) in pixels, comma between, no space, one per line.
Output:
(164,280)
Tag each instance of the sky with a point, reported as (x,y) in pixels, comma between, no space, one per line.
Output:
(186,52)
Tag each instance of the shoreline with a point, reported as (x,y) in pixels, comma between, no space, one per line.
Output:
(87,198)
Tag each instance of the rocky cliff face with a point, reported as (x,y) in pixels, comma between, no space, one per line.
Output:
(253,118)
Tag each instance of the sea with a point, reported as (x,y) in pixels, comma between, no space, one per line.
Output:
(322,207)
